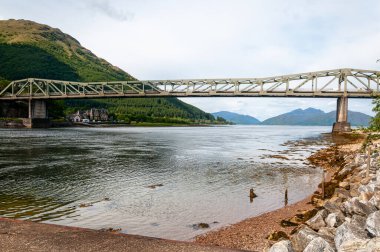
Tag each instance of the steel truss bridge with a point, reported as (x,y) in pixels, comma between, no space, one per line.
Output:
(330,83)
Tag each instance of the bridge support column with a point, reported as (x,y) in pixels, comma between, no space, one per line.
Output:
(38,116)
(341,125)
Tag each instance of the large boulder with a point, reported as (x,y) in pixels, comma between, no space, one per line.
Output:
(367,245)
(354,206)
(282,246)
(373,224)
(366,188)
(350,231)
(318,220)
(304,236)
(364,197)
(331,206)
(354,245)
(342,193)
(375,200)
(319,245)
(373,244)
(327,231)
(334,219)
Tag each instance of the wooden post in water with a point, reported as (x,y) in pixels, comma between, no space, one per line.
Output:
(323,183)
(252,195)
(368,160)
(286,196)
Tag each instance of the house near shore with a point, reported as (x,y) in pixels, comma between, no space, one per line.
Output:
(93,114)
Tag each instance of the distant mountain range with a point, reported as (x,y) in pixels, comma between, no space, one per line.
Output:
(309,116)
(237,118)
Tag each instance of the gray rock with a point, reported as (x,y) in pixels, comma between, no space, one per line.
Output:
(367,245)
(366,188)
(331,207)
(346,170)
(342,193)
(319,245)
(303,237)
(354,246)
(327,231)
(364,197)
(373,224)
(282,246)
(350,231)
(375,200)
(373,245)
(334,219)
(354,206)
(318,220)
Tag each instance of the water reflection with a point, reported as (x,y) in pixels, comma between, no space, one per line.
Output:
(101,178)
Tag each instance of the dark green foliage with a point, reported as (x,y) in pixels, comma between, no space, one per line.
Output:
(25,61)
(143,109)
(375,123)
(45,52)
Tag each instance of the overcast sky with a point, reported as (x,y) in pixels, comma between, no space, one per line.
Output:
(177,39)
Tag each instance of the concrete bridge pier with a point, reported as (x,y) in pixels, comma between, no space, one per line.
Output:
(38,116)
(341,125)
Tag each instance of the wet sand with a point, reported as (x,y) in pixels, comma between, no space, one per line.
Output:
(250,234)
(16,235)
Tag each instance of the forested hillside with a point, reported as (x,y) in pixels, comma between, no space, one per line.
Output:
(29,49)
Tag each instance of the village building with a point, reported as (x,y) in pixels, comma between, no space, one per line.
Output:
(93,114)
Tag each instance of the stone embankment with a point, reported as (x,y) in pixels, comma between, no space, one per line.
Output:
(347,217)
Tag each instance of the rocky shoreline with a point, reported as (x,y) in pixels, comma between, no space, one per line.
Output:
(342,215)
(348,217)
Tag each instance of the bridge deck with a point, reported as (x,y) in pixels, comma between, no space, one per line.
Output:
(330,83)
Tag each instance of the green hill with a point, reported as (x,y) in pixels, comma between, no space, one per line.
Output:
(29,49)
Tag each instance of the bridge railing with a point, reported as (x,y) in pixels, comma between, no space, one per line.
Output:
(329,83)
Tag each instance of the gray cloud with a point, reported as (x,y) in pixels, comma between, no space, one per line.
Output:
(105,7)
(171,39)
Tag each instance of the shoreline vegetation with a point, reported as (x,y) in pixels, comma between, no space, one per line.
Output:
(343,216)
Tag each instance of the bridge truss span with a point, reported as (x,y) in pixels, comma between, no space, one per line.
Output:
(331,83)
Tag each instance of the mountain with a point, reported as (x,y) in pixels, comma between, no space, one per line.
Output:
(236,118)
(313,116)
(29,49)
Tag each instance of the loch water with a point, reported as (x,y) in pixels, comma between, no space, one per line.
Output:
(154,181)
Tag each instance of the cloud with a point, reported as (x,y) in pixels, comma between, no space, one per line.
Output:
(171,39)
(105,7)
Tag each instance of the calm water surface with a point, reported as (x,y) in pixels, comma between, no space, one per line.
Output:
(100,177)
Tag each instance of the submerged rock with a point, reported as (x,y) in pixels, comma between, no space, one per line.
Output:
(154,186)
(282,246)
(373,223)
(200,225)
(111,230)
